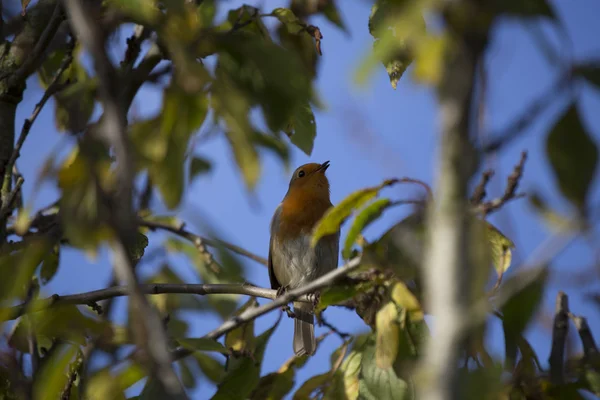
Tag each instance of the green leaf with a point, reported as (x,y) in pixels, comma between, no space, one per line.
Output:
(142,10)
(54,374)
(590,72)
(274,386)
(138,247)
(573,156)
(50,265)
(333,218)
(593,380)
(198,166)
(310,385)
(364,218)
(153,390)
(386,347)
(335,295)
(333,15)
(244,373)
(526,8)
(521,306)
(203,344)
(163,140)
(187,375)
(242,337)
(380,383)
(211,368)
(273,143)
(404,298)
(302,128)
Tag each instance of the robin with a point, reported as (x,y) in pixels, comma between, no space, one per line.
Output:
(292,261)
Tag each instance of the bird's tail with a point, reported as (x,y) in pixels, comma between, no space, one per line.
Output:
(304,329)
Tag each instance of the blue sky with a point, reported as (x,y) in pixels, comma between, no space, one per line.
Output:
(370,133)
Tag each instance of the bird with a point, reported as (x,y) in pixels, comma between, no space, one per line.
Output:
(292,261)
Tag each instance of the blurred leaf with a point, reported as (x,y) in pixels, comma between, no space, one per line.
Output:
(242,337)
(386,347)
(336,294)
(54,374)
(210,367)
(404,298)
(552,218)
(333,15)
(50,265)
(203,344)
(333,218)
(593,380)
(274,386)
(429,57)
(302,128)
(524,301)
(153,390)
(364,218)
(198,166)
(573,155)
(163,140)
(526,8)
(273,143)
(244,373)
(310,385)
(395,26)
(138,247)
(143,10)
(591,72)
(207,11)
(380,383)
(500,247)
(481,383)
(187,375)
(294,38)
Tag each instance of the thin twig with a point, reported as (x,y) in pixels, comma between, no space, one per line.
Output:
(479,193)
(590,350)
(559,337)
(95,296)
(282,300)
(180,231)
(7,206)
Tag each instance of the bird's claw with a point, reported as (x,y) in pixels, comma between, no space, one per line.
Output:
(288,311)
(316,297)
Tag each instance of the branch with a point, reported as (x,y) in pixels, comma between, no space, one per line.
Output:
(559,337)
(587,339)
(510,193)
(253,313)
(89,298)
(201,241)
(149,329)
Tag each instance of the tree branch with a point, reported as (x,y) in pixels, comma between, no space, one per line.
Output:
(200,241)
(88,298)
(148,327)
(590,350)
(560,330)
(253,313)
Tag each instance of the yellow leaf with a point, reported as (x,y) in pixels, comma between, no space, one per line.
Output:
(404,298)
(386,347)
(429,56)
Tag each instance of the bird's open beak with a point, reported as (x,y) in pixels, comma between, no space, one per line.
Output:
(324,166)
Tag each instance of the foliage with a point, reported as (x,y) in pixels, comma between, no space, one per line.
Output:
(250,75)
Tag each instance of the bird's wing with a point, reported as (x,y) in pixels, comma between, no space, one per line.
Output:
(274,223)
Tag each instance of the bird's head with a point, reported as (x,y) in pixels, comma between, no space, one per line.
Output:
(309,180)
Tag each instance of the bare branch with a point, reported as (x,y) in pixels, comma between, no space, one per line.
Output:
(200,241)
(480,192)
(92,297)
(560,330)
(590,350)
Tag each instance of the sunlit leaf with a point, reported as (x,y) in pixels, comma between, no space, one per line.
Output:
(334,217)
(573,156)
(429,58)
(386,347)
(242,337)
(363,219)
(335,295)
(403,297)
(500,248)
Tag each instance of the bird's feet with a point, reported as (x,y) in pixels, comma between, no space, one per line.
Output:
(315,297)
(280,292)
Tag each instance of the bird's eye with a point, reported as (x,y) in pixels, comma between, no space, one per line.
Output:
(300,174)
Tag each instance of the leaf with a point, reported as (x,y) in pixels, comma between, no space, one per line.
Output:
(404,298)
(521,306)
(593,380)
(364,218)
(138,247)
(274,386)
(203,344)
(333,218)
(386,347)
(50,265)
(526,8)
(429,53)
(332,14)
(198,166)
(378,383)
(144,10)
(590,72)
(310,385)
(242,337)
(53,377)
(335,295)
(500,248)
(573,156)
(244,375)
(211,368)
(302,128)
(273,143)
